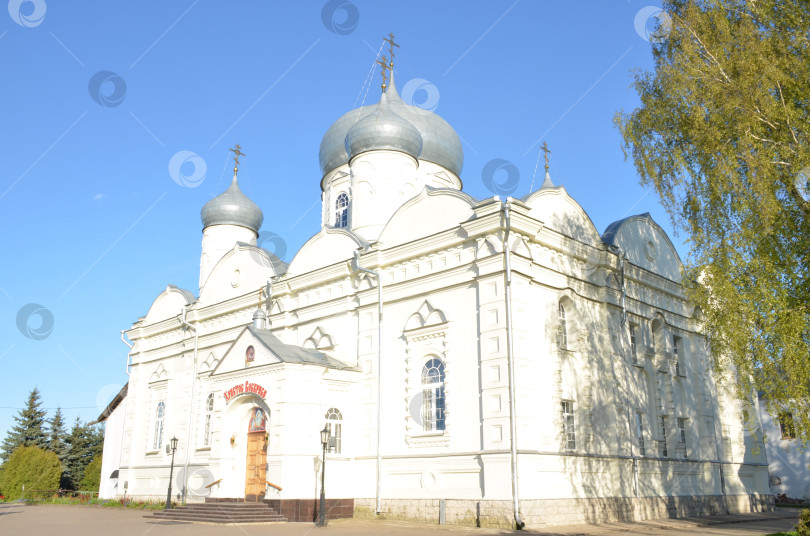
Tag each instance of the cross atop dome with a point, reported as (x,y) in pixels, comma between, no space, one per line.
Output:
(237,152)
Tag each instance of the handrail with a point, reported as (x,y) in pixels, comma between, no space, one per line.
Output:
(213,483)
(272,485)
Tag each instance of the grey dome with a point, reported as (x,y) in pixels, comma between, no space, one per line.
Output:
(383,129)
(440,143)
(232,207)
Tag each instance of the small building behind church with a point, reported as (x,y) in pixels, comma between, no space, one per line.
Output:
(500,360)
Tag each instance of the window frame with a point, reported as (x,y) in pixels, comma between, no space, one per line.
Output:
(642,451)
(434,401)
(567,411)
(159,425)
(786,429)
(634,342)
(342,211)
(562,326)
(677,353)
(208,428)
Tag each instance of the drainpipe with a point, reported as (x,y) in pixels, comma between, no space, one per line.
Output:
(622,256)
(124,420)
(357,268)
(510,354)
(129,354)
(192,402)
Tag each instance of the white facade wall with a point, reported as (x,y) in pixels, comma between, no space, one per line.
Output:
(789,464)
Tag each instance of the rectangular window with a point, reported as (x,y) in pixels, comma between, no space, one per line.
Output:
(662,445)
(633,346)
(676,352)
(682,431)
(640,434)
(786,425)
(569,429)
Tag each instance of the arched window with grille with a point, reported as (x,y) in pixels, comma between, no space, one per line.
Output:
(209,416)
(433,395)
(334,422)
(562,327)
(160,414)
(342,211)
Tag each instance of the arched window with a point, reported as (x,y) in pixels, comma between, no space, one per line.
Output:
(342,211)
(209,415)
(334,421)
(562,329)
(160,413)
(433,395)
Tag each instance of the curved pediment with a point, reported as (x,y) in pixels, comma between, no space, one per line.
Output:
(558,211)
(646,245)
(169,304)
(432,210)
(243,269)
(329,246)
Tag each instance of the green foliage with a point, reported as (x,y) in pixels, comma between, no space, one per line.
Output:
(29,430)
(29,470)
(84,443)
(722,136)
(803,526)
(92,476)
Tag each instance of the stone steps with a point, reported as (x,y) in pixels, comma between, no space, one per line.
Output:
(221,512)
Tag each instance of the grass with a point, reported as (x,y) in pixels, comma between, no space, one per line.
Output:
(94,501)
(791,533)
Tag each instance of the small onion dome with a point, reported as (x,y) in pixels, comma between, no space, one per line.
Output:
(259,319)
(382,129)
(232,207)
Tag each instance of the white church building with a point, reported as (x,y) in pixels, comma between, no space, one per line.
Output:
(498,361)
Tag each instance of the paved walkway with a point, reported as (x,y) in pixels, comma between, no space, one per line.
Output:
(64,520)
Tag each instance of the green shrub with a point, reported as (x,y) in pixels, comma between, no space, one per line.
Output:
(92,476)
(28,472)
(803,526)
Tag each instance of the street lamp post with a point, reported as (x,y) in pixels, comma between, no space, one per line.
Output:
(173,442)
(322,509)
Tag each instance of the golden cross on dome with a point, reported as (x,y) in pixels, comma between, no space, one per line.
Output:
(391,45)
(546,150)
(384,67)
(237,152)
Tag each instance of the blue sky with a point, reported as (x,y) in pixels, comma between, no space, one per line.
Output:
(94,225)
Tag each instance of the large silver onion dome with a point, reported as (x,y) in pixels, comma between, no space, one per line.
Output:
(383,129)
(232,207)
(440,143)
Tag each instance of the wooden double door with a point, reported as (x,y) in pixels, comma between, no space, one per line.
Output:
(256,466)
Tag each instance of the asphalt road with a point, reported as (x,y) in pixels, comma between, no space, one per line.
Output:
(65,520)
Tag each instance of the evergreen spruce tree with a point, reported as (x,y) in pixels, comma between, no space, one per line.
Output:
(57,444)
(29,430)
(56,435)
(84,444)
